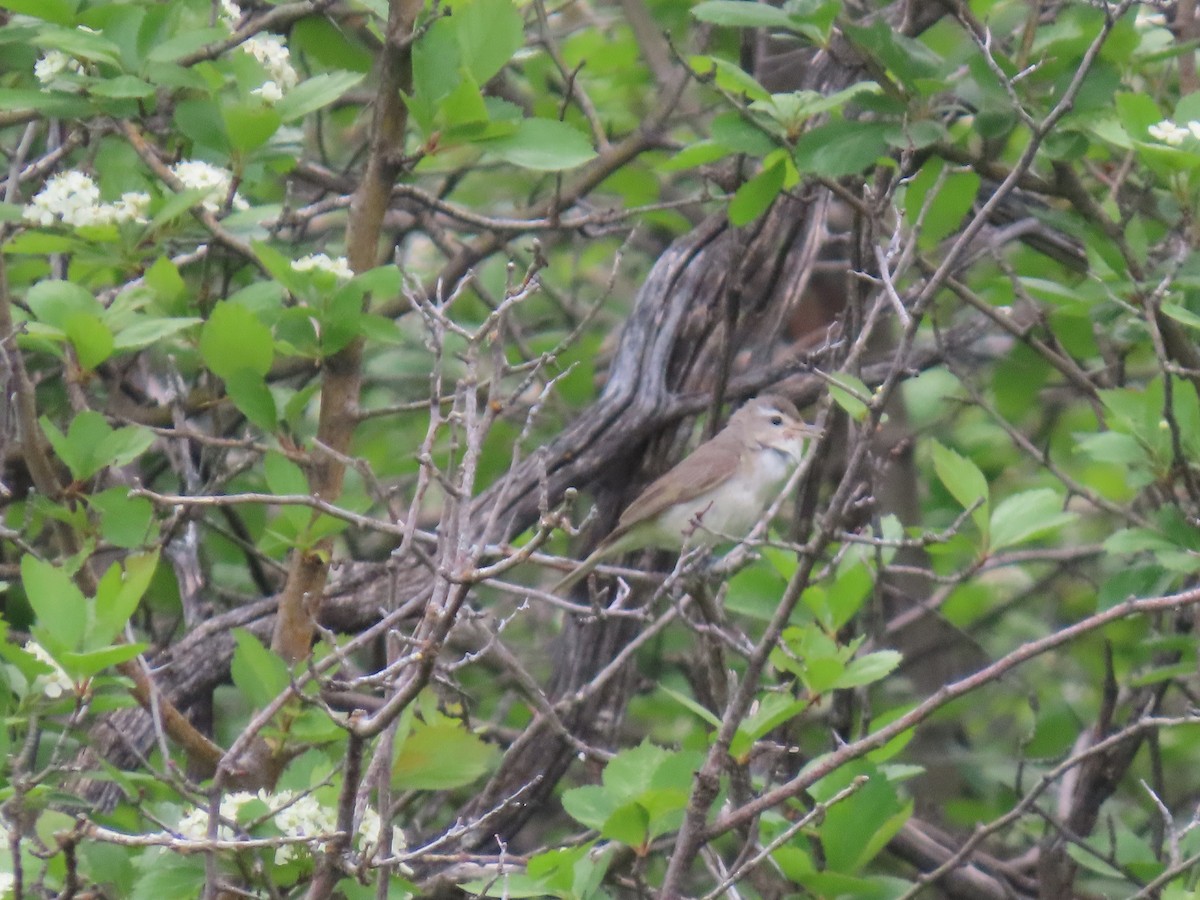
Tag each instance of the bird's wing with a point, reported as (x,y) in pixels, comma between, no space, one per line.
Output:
(709,465)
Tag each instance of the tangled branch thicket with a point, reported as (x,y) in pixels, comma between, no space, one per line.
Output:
(334,333)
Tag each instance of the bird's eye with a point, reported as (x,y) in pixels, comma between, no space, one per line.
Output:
(776,419)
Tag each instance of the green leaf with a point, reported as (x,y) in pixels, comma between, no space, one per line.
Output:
(869,669)
(175,206)
(123,445)
(249,125)
(941,213)
(59,605)
(144,331)
(964,481)
(848,392)
(259,674)
(629,824)
(770,711)
(87,664)
(65,450)
(315,93)
(123,87)
(435,72)
(78,42)
(1181,314)
(46,102)
(1027,515)
(1112,447)
(688,703)
(698,154)
(340,318)
(279,267)
(489,32)
(544,145)
(1136,112)
(283,476)
(911,61)
(234,339)
(464,105)
(840,148)
(57,302)
(200,119)
(791,110)
(124,521)
(754,197)
(741,14)
(814,18)
(736,135)
(168,875)
(250,394)
(61,12)
(631,771)
(119,593)
(89,444)
(90,337)
(184,44)
(164,279)
(729,77)
(41,243)
(439,756)
(589,805)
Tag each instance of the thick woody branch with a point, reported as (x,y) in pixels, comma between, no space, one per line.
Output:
(299,602)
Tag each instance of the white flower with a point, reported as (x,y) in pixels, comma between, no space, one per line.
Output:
(368,831)
(56,684)
(131,207)
(269,91)
(8,884)
(1168,132)
(294,815)
(338,267)
(194,825)
(74,199)
(273,53)
(230,13)
(54,63)
(198,175)
(301,817)
(68,196)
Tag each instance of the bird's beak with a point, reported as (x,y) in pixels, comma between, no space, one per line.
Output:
(804,430)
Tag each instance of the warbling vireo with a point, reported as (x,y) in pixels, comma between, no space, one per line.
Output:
(718,492)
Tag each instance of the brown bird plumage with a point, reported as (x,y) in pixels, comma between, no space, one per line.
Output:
(720,488)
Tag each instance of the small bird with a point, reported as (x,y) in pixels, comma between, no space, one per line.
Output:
(719,491)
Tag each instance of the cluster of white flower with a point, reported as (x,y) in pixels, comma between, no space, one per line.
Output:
(338,267)
(270,92)
(368,829)
(273,54)
(56,684)
(54,63)
(230,13)
(73,198)
(301,817)
(201,176)
(1170,133)
(296,816)
(194,825)
(8,884)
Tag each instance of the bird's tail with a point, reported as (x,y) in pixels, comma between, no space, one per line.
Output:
(576,575)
